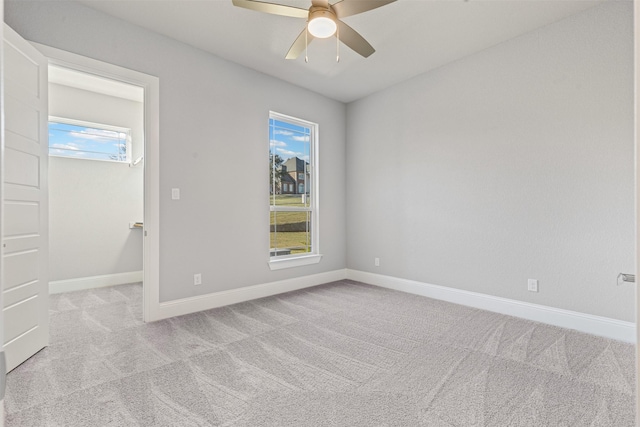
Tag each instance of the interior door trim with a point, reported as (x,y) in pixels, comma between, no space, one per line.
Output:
(151,86)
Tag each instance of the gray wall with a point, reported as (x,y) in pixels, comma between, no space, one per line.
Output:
(213,118)
(514,163)
(91,203)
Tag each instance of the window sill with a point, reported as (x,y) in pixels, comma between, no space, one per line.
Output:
(279,264)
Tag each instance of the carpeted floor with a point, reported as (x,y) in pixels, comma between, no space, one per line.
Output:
(340,354)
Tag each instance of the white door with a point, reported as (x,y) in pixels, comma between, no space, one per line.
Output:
(25,235)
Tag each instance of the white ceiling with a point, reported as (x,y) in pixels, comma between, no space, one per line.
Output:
(410,36)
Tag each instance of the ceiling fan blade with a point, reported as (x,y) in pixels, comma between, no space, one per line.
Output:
(346,8)
(355,41)
(274,9)
(299,45)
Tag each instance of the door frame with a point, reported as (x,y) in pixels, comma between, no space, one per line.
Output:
(636,67)
(151,232)
(3,372)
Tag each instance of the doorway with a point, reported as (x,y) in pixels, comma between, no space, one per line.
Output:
(142,160)
(96,186)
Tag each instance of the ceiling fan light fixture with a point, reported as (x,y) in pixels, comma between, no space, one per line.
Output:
(322,24)
(324,20)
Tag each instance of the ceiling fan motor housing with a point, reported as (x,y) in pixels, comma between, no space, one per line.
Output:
(324,20)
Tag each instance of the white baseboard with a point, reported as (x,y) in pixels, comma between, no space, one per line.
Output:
(92,282)
(595,325)
(219,299)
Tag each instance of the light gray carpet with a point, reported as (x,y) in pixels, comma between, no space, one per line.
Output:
(340,354)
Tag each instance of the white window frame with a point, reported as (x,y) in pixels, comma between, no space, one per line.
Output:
(94,125)
(313,257)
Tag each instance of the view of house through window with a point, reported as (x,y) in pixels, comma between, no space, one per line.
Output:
(292,196)
(83,140)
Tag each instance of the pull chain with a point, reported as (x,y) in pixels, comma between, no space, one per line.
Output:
(306,44)
(338,44)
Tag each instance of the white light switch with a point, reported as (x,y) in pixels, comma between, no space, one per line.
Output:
(175,194)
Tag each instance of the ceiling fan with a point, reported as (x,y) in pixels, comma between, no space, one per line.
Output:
(323,21)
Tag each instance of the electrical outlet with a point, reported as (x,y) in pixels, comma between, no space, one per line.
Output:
(175,194)
(532,285)
(197,279)
(376,262)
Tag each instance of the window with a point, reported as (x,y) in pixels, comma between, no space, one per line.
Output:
(84,140)
(293,220)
